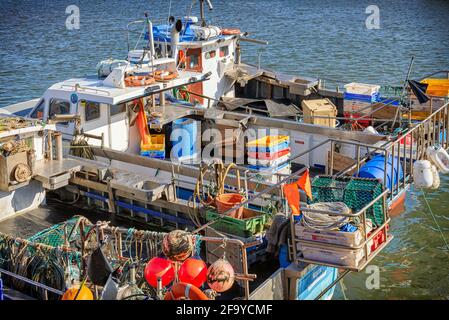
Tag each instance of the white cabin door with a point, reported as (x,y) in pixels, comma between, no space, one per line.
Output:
(119,127)
(95,121)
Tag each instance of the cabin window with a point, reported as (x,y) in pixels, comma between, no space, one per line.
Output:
(58,107)
(194,61)
(38,112)
(224,51)
(211,54)
(91,110)
(117,109)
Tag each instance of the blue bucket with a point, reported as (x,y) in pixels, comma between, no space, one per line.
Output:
(374,169)
(184,138)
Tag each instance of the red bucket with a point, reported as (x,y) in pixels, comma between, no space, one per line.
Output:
(227,201)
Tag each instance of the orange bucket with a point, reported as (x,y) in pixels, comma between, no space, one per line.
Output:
(227,201)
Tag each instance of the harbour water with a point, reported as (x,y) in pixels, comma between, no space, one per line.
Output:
(324,38)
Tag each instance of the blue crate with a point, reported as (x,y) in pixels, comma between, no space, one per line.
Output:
(361,97)
(154,154)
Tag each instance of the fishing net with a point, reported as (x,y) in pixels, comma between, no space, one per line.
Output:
(356,193)
(67,233)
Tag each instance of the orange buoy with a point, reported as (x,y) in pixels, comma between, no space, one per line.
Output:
(230,32)
(159,268)
(72,292)
(139,81)
(193,271)
(163,75)
(185,291)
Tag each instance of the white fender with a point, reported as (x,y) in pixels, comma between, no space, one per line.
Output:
(423,175)
(440,158)
(436,178)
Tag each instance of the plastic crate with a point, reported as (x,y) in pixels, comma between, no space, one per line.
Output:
(252,223)
(269,144)
(153,154)
(362,97)
(362,88)
(156,143)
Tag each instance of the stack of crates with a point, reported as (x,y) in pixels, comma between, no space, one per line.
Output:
(269,156)
(155,148)
(358,100)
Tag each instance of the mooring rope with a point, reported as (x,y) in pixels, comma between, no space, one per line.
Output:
(434,219)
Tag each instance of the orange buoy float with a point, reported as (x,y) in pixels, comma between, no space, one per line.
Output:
(230,32)
(164,75)
(139,81)
(185,291)
(193,271)
(159,268)
(72,292)
(220,276)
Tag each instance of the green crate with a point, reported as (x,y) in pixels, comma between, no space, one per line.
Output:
(245,228)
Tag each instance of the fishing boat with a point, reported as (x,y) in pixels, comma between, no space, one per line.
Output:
(225,162)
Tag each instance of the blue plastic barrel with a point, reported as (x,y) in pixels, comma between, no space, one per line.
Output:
(375,169)
(184,138)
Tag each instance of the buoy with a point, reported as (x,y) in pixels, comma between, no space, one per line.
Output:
(436,178)
(220,276)
(177,245)
(72,292)
(193,271)
(423,174)
(185,291)
(230,31)
(159,268)
(439,158)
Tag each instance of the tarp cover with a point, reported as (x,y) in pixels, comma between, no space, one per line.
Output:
(274,108)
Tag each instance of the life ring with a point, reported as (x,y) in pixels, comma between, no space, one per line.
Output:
(185,291)
(163,75)
(230,32)
(139,81)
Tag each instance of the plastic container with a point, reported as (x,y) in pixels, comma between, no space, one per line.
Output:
(320,108)
(269,144)
(268,163)
(269,156)
(362,88)
(227,201)
(184,139)
(252,223)
(155,142)
(374,169)
(361,97)
(437,87)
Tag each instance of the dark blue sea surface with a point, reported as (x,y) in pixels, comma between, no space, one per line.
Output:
(322,38)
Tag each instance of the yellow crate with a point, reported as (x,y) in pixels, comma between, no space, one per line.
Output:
(437,87)
(268,141)
(156,143)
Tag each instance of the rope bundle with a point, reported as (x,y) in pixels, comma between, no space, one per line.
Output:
(322,221)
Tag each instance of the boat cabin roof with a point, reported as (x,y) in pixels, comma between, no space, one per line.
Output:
(94,89)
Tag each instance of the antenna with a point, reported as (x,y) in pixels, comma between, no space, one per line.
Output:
(211,7)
